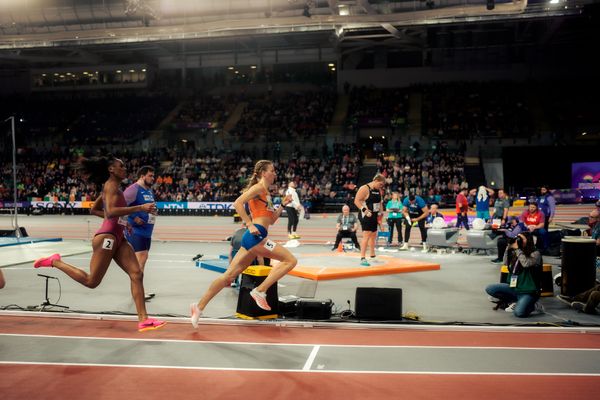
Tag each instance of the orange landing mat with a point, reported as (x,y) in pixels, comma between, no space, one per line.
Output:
(346,265)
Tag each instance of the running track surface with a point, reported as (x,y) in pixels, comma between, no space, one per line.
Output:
(70,358)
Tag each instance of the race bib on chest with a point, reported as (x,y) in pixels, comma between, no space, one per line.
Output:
(270,206)
(151,219)
(376,207)
(270,245)
(122,221)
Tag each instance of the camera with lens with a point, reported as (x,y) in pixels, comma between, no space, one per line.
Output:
(518,240)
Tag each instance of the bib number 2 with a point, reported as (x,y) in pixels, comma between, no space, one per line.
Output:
(108,244)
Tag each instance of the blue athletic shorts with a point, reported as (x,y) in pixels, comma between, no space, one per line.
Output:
(249,240)
(139,243)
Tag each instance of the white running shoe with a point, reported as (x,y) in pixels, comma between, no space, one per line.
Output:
(195,314)
(511,307)
(260,299)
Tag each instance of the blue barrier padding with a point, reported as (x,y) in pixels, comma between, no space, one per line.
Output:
(13,241)
(213,265)
(223,257)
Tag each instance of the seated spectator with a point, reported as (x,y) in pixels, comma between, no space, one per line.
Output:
(585,302)
(433,214)
(594,223)
(347,224)
(509,231)
(534,221)
(522,292)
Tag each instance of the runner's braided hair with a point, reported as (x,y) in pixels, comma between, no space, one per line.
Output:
(260,167)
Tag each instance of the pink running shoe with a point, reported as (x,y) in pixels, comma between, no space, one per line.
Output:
(195,313)
(260,299)
(150,324)
(46,261)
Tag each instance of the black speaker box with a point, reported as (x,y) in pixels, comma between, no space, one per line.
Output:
(378,303)
(287,305)
(314,309)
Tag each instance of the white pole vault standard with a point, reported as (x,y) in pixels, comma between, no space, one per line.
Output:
(14,165)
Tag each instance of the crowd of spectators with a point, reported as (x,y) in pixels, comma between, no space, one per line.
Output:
(467,110)
(75,119)
(209,175)
(371,107)
(289,116)
(433,177)
(90,122)
(203,112)
(327,179)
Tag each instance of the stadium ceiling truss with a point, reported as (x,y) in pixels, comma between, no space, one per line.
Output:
(46,32)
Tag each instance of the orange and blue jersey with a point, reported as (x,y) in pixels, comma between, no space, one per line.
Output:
(261,206)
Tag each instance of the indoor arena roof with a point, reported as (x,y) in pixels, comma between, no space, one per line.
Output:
(49,30)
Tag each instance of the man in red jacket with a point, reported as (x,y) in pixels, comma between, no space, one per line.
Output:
(534,220)
(462,207)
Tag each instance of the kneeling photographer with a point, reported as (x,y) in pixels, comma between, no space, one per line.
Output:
(522,291)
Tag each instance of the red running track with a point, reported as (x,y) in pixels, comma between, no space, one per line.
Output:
(42,381)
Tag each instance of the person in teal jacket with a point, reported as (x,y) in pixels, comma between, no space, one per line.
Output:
(394,209)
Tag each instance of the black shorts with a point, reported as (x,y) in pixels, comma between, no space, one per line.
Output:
(369,223)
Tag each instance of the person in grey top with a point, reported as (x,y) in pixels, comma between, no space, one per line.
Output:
(236,243)
(501,206)
(347,223)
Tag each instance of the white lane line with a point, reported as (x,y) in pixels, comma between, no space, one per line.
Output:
(200,342)
(311,358)
(301,370)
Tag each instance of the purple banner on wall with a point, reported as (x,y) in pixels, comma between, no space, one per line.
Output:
(586,178)
(583,174)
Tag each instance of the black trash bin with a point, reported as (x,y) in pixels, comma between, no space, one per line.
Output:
(578,265)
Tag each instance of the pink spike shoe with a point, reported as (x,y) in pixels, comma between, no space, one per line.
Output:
(260,299)
(150,324)
(46,261)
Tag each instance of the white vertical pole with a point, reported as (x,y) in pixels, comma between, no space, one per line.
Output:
(15,221)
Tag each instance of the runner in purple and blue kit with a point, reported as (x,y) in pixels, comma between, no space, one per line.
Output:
(142,223)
